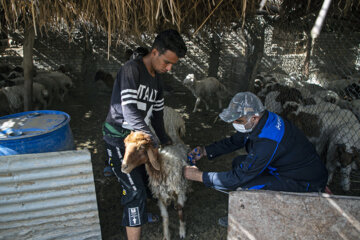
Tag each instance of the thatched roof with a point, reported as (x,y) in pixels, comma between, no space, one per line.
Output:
(122,17)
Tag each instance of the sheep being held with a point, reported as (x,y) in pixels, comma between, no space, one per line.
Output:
(164,168)
(205,89)
(174,124)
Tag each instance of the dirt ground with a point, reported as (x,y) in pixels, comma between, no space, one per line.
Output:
(88,106)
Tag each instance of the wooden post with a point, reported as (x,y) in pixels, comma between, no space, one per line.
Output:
(255,39)
(214,58)
(29,37)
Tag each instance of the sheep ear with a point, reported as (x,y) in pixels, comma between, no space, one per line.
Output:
(152,154)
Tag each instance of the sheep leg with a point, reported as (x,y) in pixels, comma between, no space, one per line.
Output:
(220,103)
(330,166)
(354,166)
(345,177)
(206,105)
(197,102)
(180,204)
(165,218)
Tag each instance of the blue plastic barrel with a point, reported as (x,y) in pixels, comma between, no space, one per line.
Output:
(35,132)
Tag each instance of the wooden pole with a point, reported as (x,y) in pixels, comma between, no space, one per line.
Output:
(29,37)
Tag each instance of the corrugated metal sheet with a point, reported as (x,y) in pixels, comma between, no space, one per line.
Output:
(48,196)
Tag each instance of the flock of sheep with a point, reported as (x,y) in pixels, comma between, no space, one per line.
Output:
(47,87)
(328,114)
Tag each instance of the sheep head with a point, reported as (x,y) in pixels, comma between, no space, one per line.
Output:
(189,80)
(258,84)
(290,107)
(347,157)
(139,150)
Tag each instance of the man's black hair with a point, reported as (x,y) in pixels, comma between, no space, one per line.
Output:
(170,40)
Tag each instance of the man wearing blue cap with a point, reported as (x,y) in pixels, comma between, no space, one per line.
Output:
(279,158)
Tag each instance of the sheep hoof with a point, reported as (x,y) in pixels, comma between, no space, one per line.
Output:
(182,234)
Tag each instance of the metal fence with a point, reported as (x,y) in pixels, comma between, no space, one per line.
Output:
(317,88)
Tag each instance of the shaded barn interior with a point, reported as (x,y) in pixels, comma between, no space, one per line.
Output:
(313,82)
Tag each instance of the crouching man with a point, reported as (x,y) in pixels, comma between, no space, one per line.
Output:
(279,158)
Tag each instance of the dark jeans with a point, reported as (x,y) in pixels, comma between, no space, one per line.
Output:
(134,188)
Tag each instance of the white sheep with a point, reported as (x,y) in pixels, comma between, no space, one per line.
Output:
(304,118)
(15,96)
(174,125)
(339,137)
(264,81)
(319,107)
(275,95)
(164,168)
(64,82)
(343,134)
(265,89)
(51,85)
(205,89)
(42,92)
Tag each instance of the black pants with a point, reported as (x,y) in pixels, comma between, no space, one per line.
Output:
(134,188)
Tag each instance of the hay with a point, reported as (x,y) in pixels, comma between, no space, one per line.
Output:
(120,18)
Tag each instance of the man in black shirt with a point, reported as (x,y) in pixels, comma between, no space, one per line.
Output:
(137,100)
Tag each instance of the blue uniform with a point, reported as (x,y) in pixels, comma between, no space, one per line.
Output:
(280,158)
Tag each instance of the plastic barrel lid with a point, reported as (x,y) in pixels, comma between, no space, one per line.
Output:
(30,124)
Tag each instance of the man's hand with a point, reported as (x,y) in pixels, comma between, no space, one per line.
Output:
(196,154)
(193,173)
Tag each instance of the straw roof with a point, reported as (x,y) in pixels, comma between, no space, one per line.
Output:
(123,17)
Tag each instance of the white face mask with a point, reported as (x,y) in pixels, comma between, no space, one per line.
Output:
(241,128)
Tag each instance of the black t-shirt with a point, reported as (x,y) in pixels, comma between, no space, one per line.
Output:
(137,100)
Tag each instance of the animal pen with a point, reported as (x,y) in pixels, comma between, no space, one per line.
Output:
(269,50)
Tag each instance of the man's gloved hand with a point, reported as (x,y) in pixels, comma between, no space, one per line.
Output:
(196,154)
